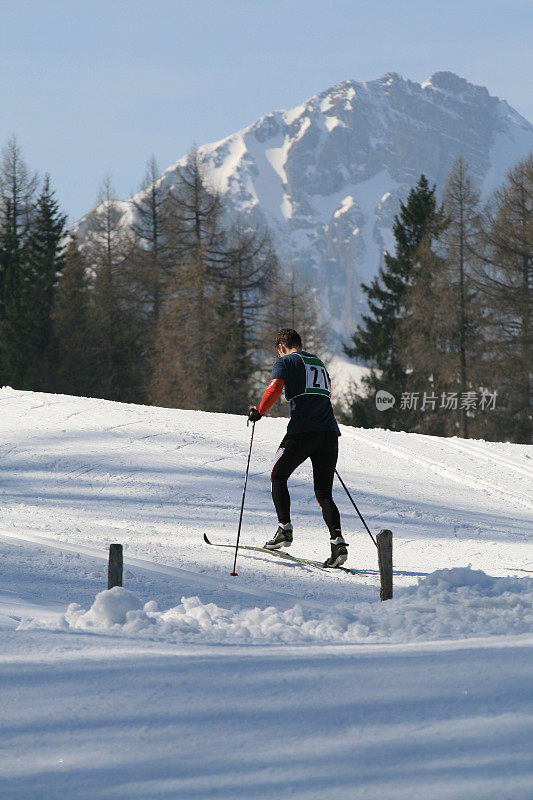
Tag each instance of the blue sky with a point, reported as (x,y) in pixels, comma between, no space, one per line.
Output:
(93,88)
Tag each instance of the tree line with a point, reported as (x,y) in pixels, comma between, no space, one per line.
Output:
(176,303)
(448,331)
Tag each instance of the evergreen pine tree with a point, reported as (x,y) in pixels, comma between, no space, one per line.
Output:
(44,262)
(374,341)
(74,372)
(425,338)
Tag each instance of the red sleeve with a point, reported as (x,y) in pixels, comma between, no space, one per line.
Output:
(272,392)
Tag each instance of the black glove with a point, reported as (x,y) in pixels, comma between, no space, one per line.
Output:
(254,415)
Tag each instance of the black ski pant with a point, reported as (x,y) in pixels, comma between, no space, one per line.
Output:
(322,447)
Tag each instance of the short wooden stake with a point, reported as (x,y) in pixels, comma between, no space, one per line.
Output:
(384,540)
(114,573)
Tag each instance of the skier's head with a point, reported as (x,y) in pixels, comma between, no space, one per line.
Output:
(288,341)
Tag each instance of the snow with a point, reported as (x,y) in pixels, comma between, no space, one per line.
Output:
(221,175)
(292,114)
(277,156)
(286,681)
(268,182)
(458,603)
(333,122)
(345,206)
(326,104)
(302,130)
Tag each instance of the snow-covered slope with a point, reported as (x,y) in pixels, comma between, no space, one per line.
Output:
(87,472)
(327,175)
(156,690)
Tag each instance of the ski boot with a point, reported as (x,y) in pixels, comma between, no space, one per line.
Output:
(339,553)
(282,537)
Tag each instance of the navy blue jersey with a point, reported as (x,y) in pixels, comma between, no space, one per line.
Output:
(308,390)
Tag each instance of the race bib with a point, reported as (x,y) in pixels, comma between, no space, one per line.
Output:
(316,377)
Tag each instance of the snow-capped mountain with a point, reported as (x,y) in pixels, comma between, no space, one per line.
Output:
(327,175)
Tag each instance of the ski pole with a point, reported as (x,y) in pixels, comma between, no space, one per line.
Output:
(353,504)
(243,495)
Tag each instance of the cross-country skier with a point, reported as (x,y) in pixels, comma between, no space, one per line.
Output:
(312,433)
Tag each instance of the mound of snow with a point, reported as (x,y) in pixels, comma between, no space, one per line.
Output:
(454,603)
(109,608)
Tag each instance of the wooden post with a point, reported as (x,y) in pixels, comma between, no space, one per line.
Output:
(384,540)
(114,573)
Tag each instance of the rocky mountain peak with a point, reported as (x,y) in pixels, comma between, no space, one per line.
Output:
(457,87)
(327,175)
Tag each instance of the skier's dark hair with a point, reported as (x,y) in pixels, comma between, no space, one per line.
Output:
(289,338)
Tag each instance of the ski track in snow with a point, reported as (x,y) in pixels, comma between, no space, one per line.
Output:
(454,474)
(489,456)
(183,684)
